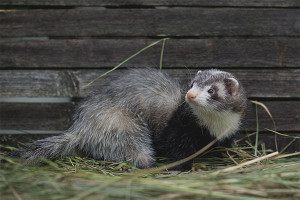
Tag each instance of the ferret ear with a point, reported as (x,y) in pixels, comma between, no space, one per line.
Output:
(232,86)
(199,72)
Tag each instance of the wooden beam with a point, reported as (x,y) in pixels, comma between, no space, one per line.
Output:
(35,116)
(269,140)
(183,22)
(221,3)
(178,53)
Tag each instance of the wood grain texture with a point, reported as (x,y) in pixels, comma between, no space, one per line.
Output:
(35,83)
(57,116)
(178,53)
(68,83)
(269,141)
(151,22)
(285,114)
(231,3)
(32,116)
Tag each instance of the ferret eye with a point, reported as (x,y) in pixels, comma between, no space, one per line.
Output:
(210,91)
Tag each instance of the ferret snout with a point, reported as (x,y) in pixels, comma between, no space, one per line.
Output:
(191,95)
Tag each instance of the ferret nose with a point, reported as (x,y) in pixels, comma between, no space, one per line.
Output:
(191,95)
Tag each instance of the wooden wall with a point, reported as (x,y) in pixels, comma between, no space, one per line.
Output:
(49,51)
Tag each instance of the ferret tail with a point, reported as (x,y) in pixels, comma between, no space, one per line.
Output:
(49,148)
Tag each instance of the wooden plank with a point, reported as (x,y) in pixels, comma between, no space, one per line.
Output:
(35,83)
(231,3)
(285,114)
(282,142)
(178,53)
(151,22)
(66,83)
(57,116)
(31,116)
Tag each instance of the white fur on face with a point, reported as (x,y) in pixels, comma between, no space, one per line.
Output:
(221,124)
(221,90)
(201,96)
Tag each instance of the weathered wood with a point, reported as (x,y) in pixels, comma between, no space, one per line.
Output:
(57,116)
(282,142)
(36,83)
(67,83)
(191,53)
(32,116)
(151,22)
(231,3)
(285,114)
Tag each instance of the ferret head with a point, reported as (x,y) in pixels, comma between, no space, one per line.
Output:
(215,90)
(217,98)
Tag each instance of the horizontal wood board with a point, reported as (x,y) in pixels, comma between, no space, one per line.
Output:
(35,116)
(231,3)
(72,83)
(178,53)
(183,22)
(57,116)
(269,141)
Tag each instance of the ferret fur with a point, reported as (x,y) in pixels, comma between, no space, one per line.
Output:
(145,113)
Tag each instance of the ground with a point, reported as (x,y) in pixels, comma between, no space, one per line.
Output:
(276,177)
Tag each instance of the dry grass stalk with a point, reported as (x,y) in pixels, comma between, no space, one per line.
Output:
(247,163)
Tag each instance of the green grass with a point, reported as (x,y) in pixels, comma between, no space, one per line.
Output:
(277,177)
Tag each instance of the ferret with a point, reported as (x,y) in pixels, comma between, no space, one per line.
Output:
(144,114)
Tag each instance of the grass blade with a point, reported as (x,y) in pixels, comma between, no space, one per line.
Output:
(257,131)
(127,59)
(162,53)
